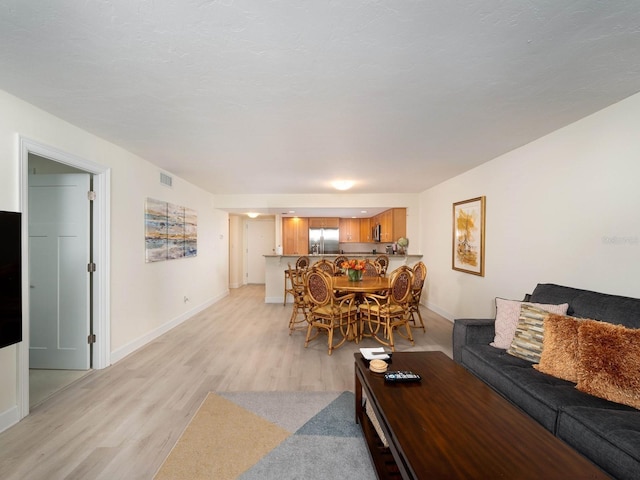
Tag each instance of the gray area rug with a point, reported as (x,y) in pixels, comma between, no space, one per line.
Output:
(325,441)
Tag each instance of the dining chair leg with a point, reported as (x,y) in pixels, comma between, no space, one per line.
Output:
(309,337)
(292,320)
(413,319)
(284,298)
(409,334)
(389,333)
(354,326)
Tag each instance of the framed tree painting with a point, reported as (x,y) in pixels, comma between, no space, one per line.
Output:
(468,236)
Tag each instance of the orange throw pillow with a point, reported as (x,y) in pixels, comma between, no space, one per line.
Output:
(609,362)
(559,356)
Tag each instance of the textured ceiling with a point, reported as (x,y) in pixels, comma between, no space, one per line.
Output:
(260,96)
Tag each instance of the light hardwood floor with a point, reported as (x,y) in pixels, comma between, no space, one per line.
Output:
(121,422)
(44,383)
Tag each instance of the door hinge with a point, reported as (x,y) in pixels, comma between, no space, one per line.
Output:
(91,338)
(91,195)
(91,267)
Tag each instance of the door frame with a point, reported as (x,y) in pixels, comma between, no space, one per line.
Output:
(101,356)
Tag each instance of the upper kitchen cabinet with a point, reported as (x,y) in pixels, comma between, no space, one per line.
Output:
(393,224)
(365,230)
(324,222)
(349,230)
(295,236)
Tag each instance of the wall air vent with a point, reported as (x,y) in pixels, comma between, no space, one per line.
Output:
(166,180)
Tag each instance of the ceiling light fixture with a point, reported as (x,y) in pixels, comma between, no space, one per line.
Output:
(252,215)
(342,184)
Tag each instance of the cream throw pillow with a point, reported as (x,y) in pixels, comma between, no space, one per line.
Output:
(508,314)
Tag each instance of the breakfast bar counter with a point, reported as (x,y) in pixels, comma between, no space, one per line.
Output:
(275,266)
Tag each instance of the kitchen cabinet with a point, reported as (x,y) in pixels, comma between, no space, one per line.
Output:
(365,230)
(386,227)
(295,236)
(393,224)
(324,222)
(349,230)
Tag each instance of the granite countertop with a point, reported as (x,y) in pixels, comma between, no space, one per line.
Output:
(347,254)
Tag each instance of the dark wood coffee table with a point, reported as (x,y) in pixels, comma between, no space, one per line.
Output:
(452,425)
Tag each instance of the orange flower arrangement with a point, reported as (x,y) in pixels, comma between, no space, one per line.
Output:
(353,265)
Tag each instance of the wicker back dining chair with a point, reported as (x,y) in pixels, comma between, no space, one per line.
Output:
(383,261)
(339,260)
(301,263)
(326,266)
(371,269)
(419,277)
(328,312)
(300,310)
(381,315)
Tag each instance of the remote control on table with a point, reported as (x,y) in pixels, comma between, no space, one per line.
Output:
(399,376)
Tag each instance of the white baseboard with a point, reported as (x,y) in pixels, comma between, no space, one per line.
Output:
(440,311)
(131,347)
(274,300)
(8,418)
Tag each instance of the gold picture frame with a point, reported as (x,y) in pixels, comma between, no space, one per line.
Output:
(468,236)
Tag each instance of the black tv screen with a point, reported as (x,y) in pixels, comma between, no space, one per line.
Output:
(10,278)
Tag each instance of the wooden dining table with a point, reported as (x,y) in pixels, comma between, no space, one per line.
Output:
(366,285)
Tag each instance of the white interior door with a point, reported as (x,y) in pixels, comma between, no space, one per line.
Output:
(261,241)
(59,220)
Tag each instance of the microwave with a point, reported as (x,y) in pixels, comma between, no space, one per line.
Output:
(375,233)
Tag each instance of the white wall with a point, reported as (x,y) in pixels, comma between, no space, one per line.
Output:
(564,209)
(146,299)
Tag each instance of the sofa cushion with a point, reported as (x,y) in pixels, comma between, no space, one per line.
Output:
(505,374)
(609,437)
(560,348)
(507,316)
(587,304)
(539,395)
(609,365)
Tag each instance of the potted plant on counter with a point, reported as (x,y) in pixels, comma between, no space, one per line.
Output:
(403,243)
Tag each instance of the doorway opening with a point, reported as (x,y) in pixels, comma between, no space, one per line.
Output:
(50,241)
(60,320)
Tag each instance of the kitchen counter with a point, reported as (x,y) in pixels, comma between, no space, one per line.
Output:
(275,265)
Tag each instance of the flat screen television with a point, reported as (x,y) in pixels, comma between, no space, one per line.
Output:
(10,278)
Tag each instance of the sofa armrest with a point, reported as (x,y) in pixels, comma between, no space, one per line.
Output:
(468,331)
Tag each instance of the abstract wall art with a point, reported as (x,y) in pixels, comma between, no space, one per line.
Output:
(171,231)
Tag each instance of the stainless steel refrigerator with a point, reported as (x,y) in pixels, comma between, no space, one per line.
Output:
(324,241)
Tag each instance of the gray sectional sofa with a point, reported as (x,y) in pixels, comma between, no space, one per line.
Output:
(605,432)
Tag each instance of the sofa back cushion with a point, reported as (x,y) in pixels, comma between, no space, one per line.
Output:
(587,304)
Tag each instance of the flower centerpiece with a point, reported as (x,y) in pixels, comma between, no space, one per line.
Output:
(403,243)
(353,269)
